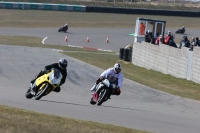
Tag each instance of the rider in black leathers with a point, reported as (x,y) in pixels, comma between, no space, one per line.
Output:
(61,66)
(65,27)
(181,30)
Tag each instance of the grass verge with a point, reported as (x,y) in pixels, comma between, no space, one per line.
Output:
(38,18)
(22,121)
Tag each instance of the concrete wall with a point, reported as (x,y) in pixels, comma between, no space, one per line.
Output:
(180,63)
(195,68)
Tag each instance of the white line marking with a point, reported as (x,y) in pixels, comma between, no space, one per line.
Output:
(105,50)
(74,46)
(58,50)
(44,40)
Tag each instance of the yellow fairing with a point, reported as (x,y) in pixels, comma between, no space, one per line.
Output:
(42,79)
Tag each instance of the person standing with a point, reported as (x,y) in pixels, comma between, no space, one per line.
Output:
(142,29)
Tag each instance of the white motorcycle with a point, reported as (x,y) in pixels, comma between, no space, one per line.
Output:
(103,91)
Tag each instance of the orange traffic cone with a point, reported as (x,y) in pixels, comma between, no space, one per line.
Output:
(107,41)
(87,40)
(66,39)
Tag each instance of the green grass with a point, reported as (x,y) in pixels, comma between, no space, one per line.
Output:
(14,120)
(37,18)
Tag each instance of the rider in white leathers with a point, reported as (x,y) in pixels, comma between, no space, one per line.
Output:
(116,74)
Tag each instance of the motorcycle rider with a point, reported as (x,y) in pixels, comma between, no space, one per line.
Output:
(113,72)
(181,30)
(65,27)
(61,66)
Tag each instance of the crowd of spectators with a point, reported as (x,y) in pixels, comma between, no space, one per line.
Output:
(169,40)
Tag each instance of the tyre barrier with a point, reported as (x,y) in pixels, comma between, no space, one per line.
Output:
(121,53)
(126,55)
(130,54)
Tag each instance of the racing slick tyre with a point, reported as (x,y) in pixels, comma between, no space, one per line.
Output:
(41,92)
(28,94)
(103,95)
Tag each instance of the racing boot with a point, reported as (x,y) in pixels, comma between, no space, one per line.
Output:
(93,89)
(57,89)
(109,95)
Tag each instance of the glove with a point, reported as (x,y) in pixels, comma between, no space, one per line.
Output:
(101,78)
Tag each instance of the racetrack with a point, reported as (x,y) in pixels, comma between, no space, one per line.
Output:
(138,106)
(77,36)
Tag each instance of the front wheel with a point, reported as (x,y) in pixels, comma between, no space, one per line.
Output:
(28,94)
(103,95)
(92,102)
(42,91)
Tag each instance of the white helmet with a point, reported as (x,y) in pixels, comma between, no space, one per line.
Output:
(117,68)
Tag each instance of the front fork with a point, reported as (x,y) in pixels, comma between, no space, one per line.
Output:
(34,89)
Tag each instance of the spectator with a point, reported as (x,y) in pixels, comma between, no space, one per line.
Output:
(197,42)
(148,36)
(153,40)
(184,42)
(168,37)
(172,43)
(158,40)
(142,29)
(193,41)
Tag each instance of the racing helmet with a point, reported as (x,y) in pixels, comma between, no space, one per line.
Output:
(63,63)
(117,68)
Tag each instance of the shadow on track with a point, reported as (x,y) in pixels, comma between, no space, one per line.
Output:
(67,32)
(94,105)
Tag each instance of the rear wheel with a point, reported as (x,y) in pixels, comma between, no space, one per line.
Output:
(41,92)
(103,95)
(28,94)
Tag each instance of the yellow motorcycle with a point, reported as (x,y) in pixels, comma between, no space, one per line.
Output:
(44,84)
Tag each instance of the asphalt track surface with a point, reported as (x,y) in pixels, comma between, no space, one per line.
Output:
(138,106)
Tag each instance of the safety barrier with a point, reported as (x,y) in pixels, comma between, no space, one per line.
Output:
(180,63)
(81,8)
(125,54)
(143,11)
(42,6)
